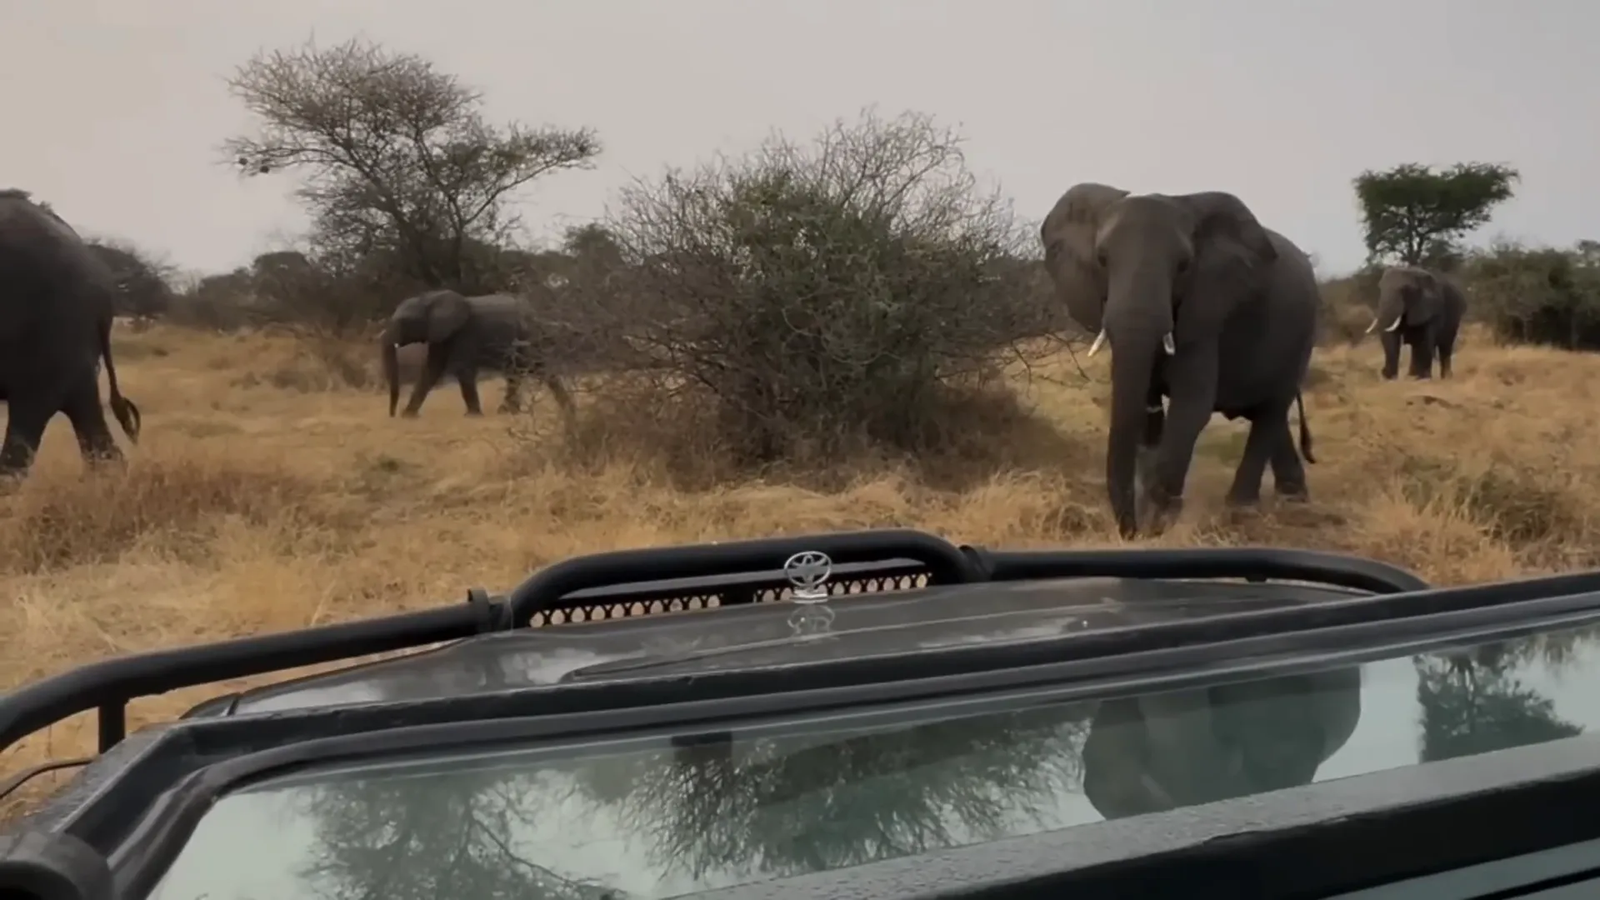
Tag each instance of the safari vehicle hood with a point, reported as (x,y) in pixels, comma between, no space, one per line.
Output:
(765,636)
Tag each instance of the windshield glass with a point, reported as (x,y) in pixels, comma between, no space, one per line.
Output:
(662,817)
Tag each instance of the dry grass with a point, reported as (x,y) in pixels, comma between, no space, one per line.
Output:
(266,496)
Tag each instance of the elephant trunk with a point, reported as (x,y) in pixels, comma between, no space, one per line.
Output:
(1139,325)
(1391,313)
(391,369)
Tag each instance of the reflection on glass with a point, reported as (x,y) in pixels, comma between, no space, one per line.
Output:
(1160,751)
(675,815)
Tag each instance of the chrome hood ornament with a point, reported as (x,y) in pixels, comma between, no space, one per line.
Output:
(808,573)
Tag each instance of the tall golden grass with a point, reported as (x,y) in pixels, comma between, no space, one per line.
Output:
(267,494)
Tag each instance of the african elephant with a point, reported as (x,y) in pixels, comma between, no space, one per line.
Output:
(413,360)
(1161,751)
(463,335)
(1422,309)
(1200,304)
(55,325)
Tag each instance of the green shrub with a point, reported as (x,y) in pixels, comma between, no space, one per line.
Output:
(1539,295)
(848,291)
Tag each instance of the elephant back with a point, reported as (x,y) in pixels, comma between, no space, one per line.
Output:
(503,310)
(503,322)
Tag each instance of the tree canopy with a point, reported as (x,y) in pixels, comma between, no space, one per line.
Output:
(1416,215)
(398,157)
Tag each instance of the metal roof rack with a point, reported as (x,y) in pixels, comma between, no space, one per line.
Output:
(1293,843)
(733,573)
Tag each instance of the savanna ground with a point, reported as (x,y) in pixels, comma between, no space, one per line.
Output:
(266,494)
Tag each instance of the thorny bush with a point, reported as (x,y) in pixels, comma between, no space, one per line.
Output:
(827,298)
(1539,295)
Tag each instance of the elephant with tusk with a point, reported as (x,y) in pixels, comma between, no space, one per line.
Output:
(1422,309)
(56,309)
(1162,751)
(465,334)
(1201,305)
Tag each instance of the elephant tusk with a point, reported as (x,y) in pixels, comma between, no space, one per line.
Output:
(1396,324)
(1167,344)
(1373,327)
(1099,341)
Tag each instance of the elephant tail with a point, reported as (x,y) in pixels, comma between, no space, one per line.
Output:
(391,371)
(124,409)
(1305,429)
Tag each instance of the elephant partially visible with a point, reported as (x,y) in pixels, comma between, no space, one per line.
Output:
(413,360)
(1422,309)
(56,308)
(463,335)
(1161,751)
(1200,304)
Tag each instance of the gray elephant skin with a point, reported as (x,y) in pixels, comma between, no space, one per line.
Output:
(1421,309)
(1201,305)
(413,358)
(56,309)
(463,336)
(1162,751)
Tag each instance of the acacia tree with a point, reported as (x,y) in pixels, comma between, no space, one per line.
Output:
(1417,215)
(398,160)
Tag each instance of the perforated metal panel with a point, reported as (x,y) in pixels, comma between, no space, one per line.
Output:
(762,589)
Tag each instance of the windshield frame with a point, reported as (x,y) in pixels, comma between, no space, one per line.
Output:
(101,804)
(149,845)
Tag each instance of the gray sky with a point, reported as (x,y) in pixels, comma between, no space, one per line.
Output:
(1281,103)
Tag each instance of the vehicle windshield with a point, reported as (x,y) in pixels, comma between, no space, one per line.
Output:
(665,816)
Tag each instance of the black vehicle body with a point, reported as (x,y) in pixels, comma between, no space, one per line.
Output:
(946,626)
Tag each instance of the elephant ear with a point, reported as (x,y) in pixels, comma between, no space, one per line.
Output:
(1224,225)
(1068,234)
(1288,727)
(447,312)
(1115,755)
(1232,249)
(1430,298)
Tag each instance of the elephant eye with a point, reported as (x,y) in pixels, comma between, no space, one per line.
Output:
(1183,264)
(1101,258)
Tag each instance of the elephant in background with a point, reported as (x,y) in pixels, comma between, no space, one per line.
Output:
(56,309)
(413,359)
(1422,309)
(1200,304)
(1161,751)
(464,335)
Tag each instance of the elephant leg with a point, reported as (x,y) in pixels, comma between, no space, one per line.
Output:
(1391,355)
(1259,445)
(468,379)
(1288,470)
(1422,353)
(1447,346)
(432,371)
(512,402)
(1155,421)
(88,419)
(559,392)
(1192,385)
(25,422)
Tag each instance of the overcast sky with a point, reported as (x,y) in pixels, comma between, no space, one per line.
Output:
(113,109)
